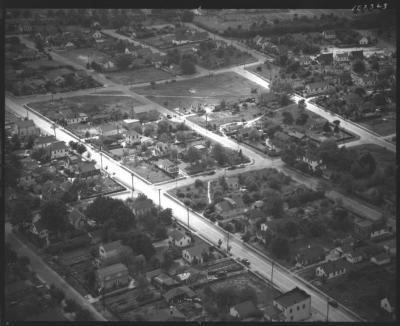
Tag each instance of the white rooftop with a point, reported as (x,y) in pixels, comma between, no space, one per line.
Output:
(130,120)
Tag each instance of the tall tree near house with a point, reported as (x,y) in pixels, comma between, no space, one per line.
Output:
(122,61)
(20,213)
(280,247)
(54,215)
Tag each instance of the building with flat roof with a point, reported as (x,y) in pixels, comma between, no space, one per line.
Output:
(295,305)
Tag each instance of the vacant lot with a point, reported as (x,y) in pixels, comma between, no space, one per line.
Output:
(85,55)
(383,126)
(204,90)
(89,104)
(362,290)
(137,76)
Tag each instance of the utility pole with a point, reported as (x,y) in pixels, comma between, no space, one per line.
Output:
(101,158)
(188,218)
(272,273)
(227,243)
(159,200)
(133,189)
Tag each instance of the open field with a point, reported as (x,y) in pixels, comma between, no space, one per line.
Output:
(85,55)
(91,104)
(137,76)
(211,90)
(223,19)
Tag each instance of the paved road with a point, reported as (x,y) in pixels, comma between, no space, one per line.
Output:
(48,274)
(283,278)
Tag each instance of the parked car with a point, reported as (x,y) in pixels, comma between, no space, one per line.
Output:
(231,167)
(169,116)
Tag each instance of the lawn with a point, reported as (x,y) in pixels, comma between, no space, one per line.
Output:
(143,75)
(265,294)
(82,56)
(203,90)
(269,73)
(149,172)
(382,156)
(382,127)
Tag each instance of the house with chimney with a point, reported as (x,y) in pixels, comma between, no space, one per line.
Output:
(179,239)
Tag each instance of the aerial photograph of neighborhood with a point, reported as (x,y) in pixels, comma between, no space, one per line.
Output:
(200,165)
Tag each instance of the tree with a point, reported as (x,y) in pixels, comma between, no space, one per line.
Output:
(54,215)
(57,294)
(273,203)
(21,212)
(122,61)
(198,183)
(248,293)
(328,151)
(359,67)
(254,135)
(42,155)
(160,232)
(326,127)
(219,153)
(70,306)
(193,154)
(141,244)
(287,118)
(280,247)
(225,297)
(10,255)
(290,229)
(246,237)
(188,67)
(83,315)
(166,216)
(168,260)
(15,142)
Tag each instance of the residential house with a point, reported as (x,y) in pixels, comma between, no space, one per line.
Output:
(178,294)
(379,231)
(58,150)
(164,282)
(97,35)
(39,229)
(167,314)
(109,130)
(232,182)
(71,160)
(86,169)
(113,252)
(305,60)
(267,231)
(329,35)
(380,259)
(388,303)
(325,58)
(363,228)
(194,254)
(297,135)
(131,123)
(152,274)
(111,277)
(25,128)
(355,256)
(77,219)
(310,255)
(294,305)
(201,148)
(313,162)
(244,310)
(179,239)
(342,57)
(390,247)
(75,117)
(331,269)
(316,88)
(132,137)
(357,55)
(363,41)
(43,142)
(99,118)
(366,80)
(142,206)
(167,166)
(230,207)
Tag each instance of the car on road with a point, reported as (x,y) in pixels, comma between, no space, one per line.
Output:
(231,167)
(245,262)
(169,116)
(211,173)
